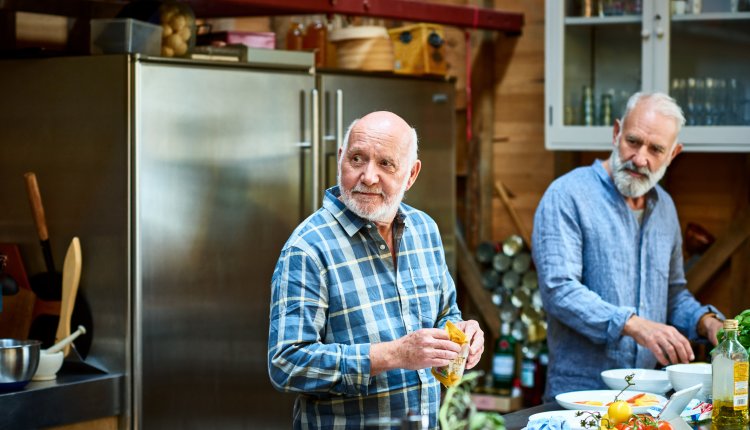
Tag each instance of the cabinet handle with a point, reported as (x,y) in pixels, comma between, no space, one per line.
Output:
(659,32)
(645,34)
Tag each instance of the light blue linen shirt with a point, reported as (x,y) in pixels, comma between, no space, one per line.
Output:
(335,292)
(597,267)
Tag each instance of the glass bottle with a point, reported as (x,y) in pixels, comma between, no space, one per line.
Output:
(486,252)
(729,367)
(587,106)
(316,39)
(295,36)
(504,361)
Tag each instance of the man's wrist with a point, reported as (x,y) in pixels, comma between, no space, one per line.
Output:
(702,328)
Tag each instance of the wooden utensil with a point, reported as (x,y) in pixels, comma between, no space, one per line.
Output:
(71,276)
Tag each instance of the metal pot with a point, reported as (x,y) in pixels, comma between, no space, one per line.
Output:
(18,362)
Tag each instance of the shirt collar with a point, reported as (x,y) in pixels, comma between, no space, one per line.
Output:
(351,222)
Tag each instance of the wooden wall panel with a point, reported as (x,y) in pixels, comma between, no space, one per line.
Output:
(519,158)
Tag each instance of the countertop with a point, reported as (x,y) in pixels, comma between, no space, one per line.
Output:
(80,393)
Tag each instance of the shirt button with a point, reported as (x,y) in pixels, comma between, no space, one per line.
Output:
(382,246)
(369,226)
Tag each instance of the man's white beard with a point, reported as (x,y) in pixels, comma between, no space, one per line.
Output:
(383,212)
(631,186)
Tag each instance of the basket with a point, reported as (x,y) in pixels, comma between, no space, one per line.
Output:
(363,48)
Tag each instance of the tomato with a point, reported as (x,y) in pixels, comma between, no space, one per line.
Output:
(665,425)
(619,412)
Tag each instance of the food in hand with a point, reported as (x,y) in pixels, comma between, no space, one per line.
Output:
(177,23)
(451,374)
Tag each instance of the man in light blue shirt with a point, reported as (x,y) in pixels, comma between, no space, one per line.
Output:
(608,250)
(361,293)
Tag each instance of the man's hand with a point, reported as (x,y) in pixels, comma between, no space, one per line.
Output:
(709,327)
(475,335)
(428,347)
(668,345)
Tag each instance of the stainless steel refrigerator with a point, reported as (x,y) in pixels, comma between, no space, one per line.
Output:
(183,180)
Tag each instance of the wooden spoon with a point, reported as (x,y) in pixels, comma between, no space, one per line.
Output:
(71,275)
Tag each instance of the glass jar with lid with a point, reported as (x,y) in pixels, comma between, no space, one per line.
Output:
(178,29)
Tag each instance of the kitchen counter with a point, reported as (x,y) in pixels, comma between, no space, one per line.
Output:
(80,393)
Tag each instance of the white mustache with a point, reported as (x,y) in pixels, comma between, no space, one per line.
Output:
(361,188)
(629,165)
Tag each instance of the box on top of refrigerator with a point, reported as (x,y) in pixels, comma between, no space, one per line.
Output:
(419,49)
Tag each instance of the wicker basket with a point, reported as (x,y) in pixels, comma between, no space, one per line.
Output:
(363,48)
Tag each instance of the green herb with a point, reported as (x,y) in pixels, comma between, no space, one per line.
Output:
(458,411)
(743,329)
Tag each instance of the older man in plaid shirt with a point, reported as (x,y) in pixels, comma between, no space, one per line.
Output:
(361,293)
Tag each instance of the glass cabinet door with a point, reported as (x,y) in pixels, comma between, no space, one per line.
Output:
(709,72)
(599,52)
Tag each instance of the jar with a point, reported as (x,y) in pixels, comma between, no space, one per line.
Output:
(178,29)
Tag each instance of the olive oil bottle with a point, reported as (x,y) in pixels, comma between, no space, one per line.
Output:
(729,367)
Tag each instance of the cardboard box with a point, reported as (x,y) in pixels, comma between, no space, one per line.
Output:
(419,49)
(490,402)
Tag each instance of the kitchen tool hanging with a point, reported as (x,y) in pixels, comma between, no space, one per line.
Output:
(47,285)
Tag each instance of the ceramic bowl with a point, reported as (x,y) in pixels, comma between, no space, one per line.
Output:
(49,365)
(648,380)
(686,375)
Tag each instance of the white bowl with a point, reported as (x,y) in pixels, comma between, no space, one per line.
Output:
(49,364)
(686,375)
(648,380)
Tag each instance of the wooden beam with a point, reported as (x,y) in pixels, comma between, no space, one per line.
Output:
(715,257)
(407,10)
(468,271)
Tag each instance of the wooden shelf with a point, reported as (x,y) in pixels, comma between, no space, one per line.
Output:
(407,10)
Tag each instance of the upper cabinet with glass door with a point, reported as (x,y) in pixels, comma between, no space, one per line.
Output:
(599,52)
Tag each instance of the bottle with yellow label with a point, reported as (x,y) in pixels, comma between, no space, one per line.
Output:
(729,367)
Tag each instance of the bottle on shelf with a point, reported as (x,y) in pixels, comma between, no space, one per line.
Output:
(729,367)
(295,35)
(504,361)
(316,39)
(531,382)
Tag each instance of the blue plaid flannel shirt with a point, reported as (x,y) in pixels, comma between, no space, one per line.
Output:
(335,291)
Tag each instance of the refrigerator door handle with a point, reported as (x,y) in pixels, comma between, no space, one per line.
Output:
(315,155)
(339,120)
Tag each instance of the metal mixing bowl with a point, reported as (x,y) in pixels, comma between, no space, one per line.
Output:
(18,362)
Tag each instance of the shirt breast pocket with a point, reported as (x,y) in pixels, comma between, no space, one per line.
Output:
(424,293)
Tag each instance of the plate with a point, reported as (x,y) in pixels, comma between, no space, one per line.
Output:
(569,416)
(567,400)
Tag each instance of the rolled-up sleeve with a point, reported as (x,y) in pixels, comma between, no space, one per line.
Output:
(298,361)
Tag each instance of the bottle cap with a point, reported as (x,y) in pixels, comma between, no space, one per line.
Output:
(731,324)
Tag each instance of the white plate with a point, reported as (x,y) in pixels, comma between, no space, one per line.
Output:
(567,400)
(568,415)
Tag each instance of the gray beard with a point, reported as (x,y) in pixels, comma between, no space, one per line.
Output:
(628,185)
(382,213)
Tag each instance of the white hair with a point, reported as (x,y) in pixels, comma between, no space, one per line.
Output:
(662,104)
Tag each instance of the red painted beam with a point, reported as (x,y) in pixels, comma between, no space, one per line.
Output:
(407,10)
